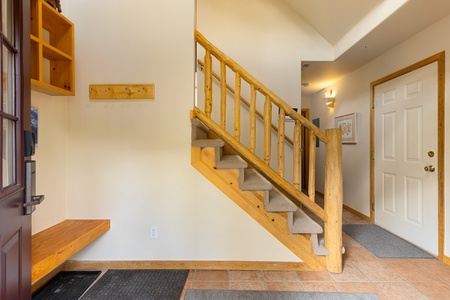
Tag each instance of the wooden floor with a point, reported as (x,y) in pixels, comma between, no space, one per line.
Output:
(363,273)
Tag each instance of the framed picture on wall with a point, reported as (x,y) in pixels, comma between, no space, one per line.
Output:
(349,126)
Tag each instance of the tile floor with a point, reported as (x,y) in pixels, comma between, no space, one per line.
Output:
(363,273)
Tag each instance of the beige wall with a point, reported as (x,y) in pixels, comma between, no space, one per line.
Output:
(51,160)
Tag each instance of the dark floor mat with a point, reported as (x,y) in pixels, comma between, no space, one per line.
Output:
(139,284)
(66,285)
(273,295)
(383,243)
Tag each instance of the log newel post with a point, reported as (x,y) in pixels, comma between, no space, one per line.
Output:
(333,200)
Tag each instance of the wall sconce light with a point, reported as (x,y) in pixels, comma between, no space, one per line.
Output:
(329,99)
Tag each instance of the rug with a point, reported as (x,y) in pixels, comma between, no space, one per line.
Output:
(270,295)
(382,243)
(66,285)
(139,284)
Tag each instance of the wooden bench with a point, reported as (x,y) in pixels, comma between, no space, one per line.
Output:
(51,247)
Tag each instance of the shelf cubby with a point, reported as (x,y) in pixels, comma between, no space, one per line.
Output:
(52,50)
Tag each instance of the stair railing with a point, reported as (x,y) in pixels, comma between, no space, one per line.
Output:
(244,101)
(331,214)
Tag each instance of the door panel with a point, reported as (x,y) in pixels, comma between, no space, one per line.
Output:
(406,195)
(15,249)
(15,225)
(389,194)
(10,251)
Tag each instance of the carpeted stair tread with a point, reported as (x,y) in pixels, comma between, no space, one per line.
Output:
(318,244)
(300,222)
(251,180)
(275,201)
(200,125)
(198,130)
(205,143)
(231,162)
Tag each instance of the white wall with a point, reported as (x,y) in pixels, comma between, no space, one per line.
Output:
(306,102)
(353,95)
(265,37)
(51,157)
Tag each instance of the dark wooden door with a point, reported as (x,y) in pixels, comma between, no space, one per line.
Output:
(15,223)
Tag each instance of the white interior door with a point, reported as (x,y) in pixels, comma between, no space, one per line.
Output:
(406,189)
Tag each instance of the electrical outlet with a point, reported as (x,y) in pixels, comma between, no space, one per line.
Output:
(154,232)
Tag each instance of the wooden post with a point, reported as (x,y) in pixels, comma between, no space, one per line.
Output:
(281,126)
(237,108)
(312,166)
(208,83)
(253,119)
(333,200)
(223,94)
(267,130)
(296,175)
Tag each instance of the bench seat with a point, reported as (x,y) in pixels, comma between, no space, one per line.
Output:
(54,245)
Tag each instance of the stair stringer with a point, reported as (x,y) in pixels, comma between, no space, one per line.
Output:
(203,159)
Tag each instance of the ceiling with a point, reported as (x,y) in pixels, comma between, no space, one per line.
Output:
(335,19)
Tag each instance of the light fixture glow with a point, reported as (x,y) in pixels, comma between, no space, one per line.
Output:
(329,99)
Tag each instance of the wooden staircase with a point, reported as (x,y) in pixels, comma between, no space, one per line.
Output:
(263,191)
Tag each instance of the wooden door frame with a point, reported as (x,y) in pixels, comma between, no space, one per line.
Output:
(440,59)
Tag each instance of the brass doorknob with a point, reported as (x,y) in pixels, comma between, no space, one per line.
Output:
(429,168)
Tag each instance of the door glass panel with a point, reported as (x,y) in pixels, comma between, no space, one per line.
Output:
(8,119)
(8,81)
(8,19)
(9,155)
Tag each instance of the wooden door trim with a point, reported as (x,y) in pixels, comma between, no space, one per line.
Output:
(440,59)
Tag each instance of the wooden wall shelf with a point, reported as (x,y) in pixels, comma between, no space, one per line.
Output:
(52,51)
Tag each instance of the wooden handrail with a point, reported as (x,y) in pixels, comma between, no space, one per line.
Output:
(229,88)
(260,166)
(244,74)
